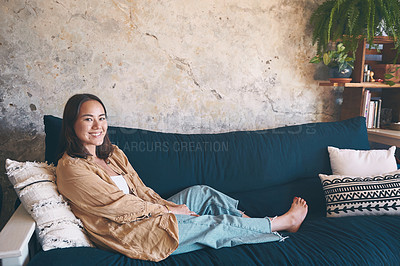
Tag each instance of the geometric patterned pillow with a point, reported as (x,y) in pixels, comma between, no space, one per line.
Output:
(353,196)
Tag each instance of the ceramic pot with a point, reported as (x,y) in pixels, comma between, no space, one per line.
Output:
(345,73)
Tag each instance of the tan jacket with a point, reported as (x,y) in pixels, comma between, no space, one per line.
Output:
(136,225)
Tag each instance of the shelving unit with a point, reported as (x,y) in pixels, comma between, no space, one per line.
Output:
(353,93)
(384,136)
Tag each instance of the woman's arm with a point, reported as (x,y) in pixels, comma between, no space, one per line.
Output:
(87,191)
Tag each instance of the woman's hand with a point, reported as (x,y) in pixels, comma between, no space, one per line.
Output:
(182,209)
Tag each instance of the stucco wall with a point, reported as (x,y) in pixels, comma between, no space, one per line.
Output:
(177,66)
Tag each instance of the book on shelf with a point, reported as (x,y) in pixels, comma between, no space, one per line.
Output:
(372,110)
(371,114)
(366,100)
(378,107)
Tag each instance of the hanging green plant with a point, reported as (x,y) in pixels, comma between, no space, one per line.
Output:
(352,20)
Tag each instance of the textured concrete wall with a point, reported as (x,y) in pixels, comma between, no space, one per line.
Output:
(178,66)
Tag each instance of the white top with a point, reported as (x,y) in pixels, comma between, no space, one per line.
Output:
(119,180)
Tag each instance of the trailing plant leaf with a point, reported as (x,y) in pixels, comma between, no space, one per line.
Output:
(390,83)
(326,59)
(352,20)
(315,60)
(390,75)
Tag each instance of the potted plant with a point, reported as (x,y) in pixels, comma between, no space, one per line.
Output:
(341,65)
(352,20)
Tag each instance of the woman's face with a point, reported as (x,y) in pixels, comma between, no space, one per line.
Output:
(91,125)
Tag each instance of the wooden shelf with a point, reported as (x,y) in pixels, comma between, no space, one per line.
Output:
(384,136)
(383,39)
(359,85)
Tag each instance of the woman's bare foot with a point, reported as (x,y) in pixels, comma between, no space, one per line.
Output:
(291,220)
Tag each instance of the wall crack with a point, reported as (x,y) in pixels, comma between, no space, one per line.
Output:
(27,7)
(152,35)
(216,94)
(185,66)
(179,62)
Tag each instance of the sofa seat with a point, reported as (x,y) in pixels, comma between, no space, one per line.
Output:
(320,241)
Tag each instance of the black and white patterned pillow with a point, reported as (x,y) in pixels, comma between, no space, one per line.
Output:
(352,196)
(56,225)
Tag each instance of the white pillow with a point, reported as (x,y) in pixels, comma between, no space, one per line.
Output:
(56,225)
(362,162)
(370,195)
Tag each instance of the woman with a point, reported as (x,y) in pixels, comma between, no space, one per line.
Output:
(120,213)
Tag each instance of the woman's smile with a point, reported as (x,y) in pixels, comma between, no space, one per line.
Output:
(95,134)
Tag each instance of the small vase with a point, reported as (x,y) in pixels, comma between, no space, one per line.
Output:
(345,73)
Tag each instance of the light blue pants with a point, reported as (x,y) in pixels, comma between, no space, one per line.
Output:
(220,223)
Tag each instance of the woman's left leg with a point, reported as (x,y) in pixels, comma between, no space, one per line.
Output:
(205,200)
(222,231)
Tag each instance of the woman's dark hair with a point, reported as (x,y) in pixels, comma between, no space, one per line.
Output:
(69,142)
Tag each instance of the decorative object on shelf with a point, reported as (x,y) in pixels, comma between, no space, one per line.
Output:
(366,76)
(341,65)
(386,117)
(335,72)
(395,126)
(389,73)
(352,20)
(371,76)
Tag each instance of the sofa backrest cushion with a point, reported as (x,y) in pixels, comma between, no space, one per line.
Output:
(230,162)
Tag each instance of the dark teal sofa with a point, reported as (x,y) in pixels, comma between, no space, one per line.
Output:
(264,170)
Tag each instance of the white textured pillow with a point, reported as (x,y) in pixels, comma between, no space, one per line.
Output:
(56,225)
(362,162)
(353,196)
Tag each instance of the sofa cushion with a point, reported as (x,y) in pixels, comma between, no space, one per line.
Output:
(362,163)
(372,195)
